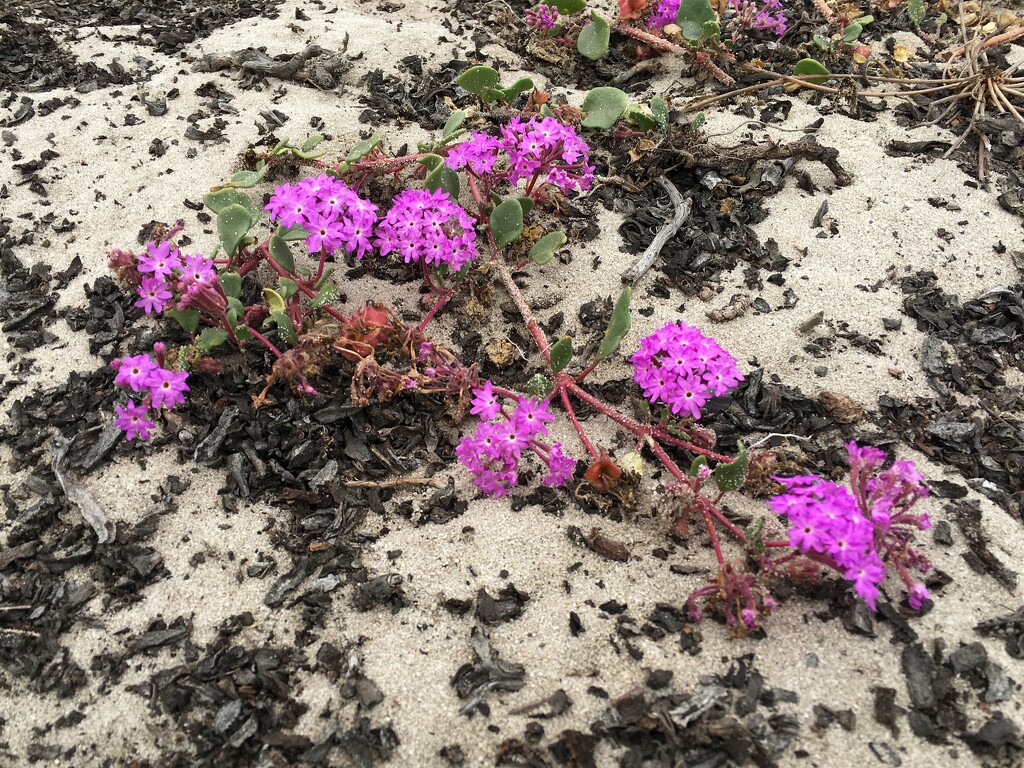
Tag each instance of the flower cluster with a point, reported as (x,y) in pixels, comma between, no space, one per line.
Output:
(542,17)
(538,150)
(332,214)
(492,453)
(771,17)
(158,386)
(164,272)
(663,13)
(862,529)
(429,227)
(678,366)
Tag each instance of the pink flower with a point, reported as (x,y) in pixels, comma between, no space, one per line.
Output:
(160,260)
(133,371)
(154,295)
(485,402)
(167,388)
(131,420)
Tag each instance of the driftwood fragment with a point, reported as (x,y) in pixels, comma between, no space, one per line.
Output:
(667,232)
(314,65)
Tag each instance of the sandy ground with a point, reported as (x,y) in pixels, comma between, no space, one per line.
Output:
(108,183)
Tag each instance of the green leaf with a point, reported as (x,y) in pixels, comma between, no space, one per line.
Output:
(295,232)
(242,333)
(440,176)
(822,42)
(478,80)
(526,203)
(594,38)
(852,32)
(231,282)
(697,463)
(698,120)
(233,224)
(453,123)
(916,11)
(363,148)
(210,338)
(561,354)
(284,327)
(618,326)
(311,142)
(544,249)
(865,20)
(275,301)
(236,306)
(328,293)
(521,85)
(246,178)
(660,110)
(603,106)
(806,67)
(540,386)
(507,222)
(545,111)
(282,254)
(693,14)
(324,278)
(287,287)
(221,199)
(640,116)
(732,476)
(569,7)
(188,319)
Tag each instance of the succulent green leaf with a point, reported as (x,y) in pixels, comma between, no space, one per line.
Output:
(594,38)
(282,254)
(915,10)
(311,142)
(363,148)
(292,233)
(280,147)
(246,178)
(324,279)
(696,464)
(242,333)
(221,199)
(287,287)
(852,32)
(231,282)
(732,476)
(693,15)
(210,338)
(233,224)
(603,106)
(865,20)
(478,80)
(275,301)
(284,326)
(544,249)
(521,85)
(821,42)
(453,123)
(188,319)
(440,176)
(806,67)
(545,111)
(526,203)
(328,293)
(540,386)
(618,326)
(569,7)
(561,354)
(507,222)
(640,116)
(236,306)
(659,108)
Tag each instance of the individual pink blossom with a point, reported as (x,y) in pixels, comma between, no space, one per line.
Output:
(153,295)
(167,388)
(133,371)
(132,421)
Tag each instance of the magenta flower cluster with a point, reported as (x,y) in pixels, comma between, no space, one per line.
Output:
(429,227)
(332,214)
(862,530)
(682,368)
(492,453)
(542,17)
(664,12)
(771,17)
(158,386)
(165,272)
(538,150)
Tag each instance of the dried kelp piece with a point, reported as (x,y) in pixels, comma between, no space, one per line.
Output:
(508,605)
(967,514)
(1010,626)
(487,673)
(79,494)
